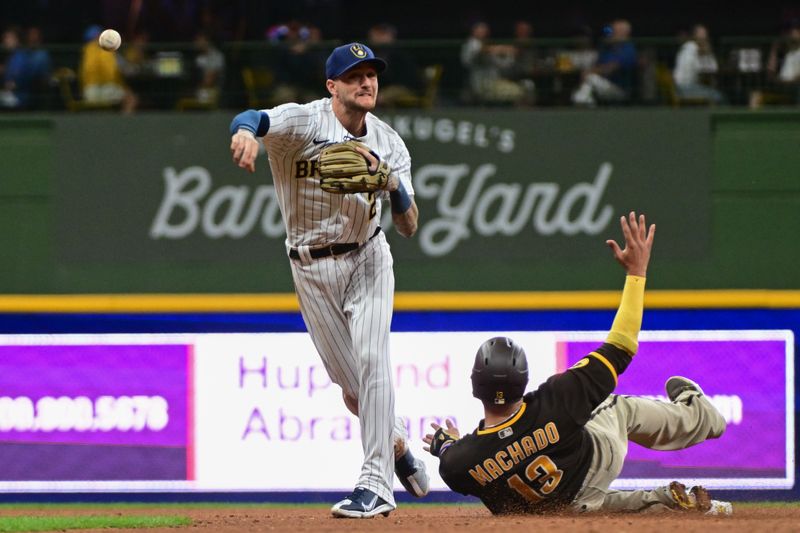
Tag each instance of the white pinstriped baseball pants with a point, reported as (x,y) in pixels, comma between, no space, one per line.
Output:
(347,302)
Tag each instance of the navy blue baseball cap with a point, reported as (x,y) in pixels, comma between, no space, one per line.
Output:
(347,56)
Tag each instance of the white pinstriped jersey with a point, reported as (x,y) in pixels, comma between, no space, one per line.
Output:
(297,134)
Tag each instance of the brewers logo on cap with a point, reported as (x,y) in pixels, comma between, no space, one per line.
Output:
(347,56)
(358,51)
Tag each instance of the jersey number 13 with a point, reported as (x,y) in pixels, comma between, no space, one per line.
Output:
(543,476)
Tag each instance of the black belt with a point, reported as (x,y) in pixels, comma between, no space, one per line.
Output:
(333,249)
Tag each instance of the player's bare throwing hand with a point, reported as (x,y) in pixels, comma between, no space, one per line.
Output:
(340,260)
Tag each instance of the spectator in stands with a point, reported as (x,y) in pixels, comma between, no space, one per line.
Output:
(783,72)
(790,67)
(210,69)
(40,64)
(581,55)
(488,66)
(789,73)
(696,59)
(136,57)
(100,76)
(613,77)
(526,60)
(16,87)
(402,83)
(300,64)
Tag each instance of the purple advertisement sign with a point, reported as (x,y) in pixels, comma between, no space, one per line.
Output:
(98,412)
(745,379)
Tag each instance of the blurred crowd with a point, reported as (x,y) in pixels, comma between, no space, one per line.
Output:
(607,66)
(615,70)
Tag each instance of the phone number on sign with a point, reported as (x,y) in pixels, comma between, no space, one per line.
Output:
(104,413)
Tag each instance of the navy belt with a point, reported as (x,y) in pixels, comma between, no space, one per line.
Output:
(333,249)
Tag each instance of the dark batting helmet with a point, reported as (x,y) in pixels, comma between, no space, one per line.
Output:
(500,372)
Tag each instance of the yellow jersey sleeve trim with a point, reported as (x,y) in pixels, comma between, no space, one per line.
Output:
(505,424)
(607,363)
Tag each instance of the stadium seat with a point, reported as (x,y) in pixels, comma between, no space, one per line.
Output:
(432,75)
(192,103)
(258,83)
(666,86)
(66,79)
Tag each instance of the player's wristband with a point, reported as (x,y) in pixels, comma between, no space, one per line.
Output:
(251,120)
(401,201)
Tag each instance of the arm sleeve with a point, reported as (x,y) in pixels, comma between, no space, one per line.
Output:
(584,386)
(453,467)
(256,122)
(624,332)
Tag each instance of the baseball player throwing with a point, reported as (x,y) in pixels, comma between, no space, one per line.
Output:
(331,160)
(560,447)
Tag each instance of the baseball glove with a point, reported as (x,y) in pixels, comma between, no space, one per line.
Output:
(343,169)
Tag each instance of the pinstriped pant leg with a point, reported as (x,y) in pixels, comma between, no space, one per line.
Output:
(400,432)
(319,291)
(369,302)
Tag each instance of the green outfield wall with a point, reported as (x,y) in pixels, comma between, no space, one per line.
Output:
(509,200)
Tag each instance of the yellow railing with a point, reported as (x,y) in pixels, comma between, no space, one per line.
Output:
(404,301)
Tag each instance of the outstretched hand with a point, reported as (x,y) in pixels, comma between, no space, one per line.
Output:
(638,243)
(441,438)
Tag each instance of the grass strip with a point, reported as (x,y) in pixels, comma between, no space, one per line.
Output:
(169,505)
(50,523)
(765,504)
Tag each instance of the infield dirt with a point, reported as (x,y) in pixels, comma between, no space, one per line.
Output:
(439,518)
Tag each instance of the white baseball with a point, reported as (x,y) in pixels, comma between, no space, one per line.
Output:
(110,40)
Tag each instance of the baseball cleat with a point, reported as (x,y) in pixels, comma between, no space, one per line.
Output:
(697,499)
(720,508)
(676,385)
(683,500)
(412,474)
(362,503)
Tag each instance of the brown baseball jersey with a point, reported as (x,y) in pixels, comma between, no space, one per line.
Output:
(536,461)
